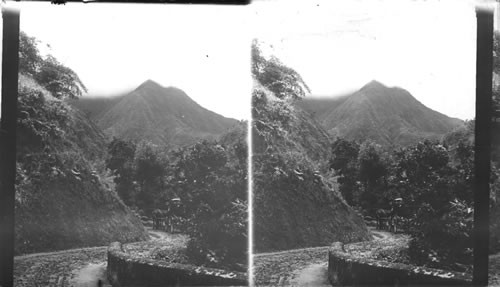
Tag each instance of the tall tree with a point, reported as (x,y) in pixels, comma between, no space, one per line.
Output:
(149,173)
(121,162)
(372,172)
(345,163)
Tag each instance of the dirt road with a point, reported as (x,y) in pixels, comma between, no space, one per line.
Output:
(75,267)
(313,275)
(284,268)
(56,268)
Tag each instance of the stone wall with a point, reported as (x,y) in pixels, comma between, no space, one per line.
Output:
(344,269)
(125,269)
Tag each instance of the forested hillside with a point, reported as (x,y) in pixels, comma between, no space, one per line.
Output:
(295,204)
(65,195)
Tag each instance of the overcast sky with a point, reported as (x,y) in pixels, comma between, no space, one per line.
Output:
(425,47)
(203,50)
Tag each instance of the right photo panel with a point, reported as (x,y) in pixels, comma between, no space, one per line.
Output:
(363,119)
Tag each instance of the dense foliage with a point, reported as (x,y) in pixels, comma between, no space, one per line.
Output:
(49,133)
(121,162)
(436,184)
(211,180)
(345,164)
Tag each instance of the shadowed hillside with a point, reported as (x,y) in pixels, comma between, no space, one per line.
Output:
(161,115)
(65,197)
(295,204)
(95,107)
(388,116)
(320,107)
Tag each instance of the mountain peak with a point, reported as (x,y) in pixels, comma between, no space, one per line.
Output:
(149,83)
(373,84)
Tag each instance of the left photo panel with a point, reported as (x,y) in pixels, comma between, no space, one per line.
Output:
(132,150)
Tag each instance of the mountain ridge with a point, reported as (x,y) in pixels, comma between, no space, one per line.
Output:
(387,115)
(163,115)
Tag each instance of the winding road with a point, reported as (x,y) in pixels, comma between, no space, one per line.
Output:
(80,267)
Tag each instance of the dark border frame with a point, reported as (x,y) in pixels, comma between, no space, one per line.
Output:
(10,48)
(484,75)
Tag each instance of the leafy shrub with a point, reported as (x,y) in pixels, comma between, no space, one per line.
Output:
(220,242)
(443,241)
(211,181)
